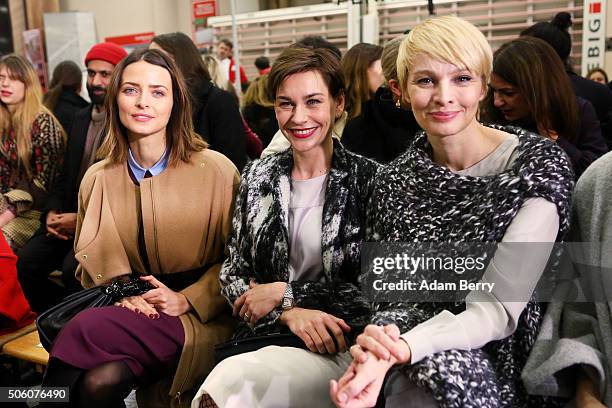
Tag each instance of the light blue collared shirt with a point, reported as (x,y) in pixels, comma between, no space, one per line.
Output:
(139,172)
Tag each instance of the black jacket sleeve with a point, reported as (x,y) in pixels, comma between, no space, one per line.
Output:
(590,144)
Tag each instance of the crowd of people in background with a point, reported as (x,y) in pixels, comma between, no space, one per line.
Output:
(255,202)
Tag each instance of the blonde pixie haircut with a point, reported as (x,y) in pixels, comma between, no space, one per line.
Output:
(449,39)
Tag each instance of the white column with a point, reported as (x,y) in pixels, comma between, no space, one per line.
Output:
(593,35)
(353,24)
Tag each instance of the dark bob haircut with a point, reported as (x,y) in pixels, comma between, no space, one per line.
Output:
(296,59)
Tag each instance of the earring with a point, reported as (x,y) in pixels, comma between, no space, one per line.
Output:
(398,105)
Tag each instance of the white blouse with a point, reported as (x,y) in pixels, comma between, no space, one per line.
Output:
(305,227)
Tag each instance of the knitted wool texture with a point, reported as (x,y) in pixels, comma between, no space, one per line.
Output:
(417,200)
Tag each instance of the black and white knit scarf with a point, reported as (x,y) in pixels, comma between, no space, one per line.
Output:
(416,200)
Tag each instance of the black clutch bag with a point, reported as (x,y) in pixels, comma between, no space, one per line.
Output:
(50,322)
(234,347)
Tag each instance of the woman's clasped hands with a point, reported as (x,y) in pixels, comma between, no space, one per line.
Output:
(376,350)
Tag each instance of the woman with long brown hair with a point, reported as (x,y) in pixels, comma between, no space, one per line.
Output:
(530,89)
(216,116)
(63,97)
(31,147)
(386,126)
(158,205)
(556,33)
(362,70)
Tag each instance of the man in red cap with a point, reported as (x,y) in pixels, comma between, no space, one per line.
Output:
(52,247)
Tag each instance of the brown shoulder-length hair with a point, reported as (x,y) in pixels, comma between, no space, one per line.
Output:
(535,69)
(355,64)
(186,56)
(296,59)
(181,140)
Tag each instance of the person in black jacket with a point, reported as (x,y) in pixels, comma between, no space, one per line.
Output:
(216,116)
(52,247)
(63,97)
(258,110)
(386,124)
(556,34)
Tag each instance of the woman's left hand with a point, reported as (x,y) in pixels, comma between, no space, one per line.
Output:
(165,299)
(259,300)
(361,383)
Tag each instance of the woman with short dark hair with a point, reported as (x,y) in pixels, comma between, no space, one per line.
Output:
(294,254)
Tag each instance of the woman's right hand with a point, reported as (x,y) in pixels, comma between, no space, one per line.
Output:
(316,329)
(361,384)
(259,300)
(138,305)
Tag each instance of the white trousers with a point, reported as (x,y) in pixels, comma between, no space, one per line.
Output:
(274,377)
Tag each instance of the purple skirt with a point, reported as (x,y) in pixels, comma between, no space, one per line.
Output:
(101,335)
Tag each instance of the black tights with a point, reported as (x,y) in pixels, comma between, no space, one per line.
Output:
(104,386)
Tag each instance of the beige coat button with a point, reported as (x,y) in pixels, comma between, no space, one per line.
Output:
(84,256)
(202,164)
(98,276)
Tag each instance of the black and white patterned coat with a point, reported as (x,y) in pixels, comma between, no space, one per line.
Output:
(417,200)
(259,243)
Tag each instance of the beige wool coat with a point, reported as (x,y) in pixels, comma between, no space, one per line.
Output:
(186,212)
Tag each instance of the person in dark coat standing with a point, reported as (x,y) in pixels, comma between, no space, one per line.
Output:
(556,34)
(52,247)
(386,124)
(63,97)
(216,116)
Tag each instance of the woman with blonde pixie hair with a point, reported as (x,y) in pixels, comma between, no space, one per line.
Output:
(459,182)
(31,148)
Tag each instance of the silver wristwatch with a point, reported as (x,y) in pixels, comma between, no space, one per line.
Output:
(287,301)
